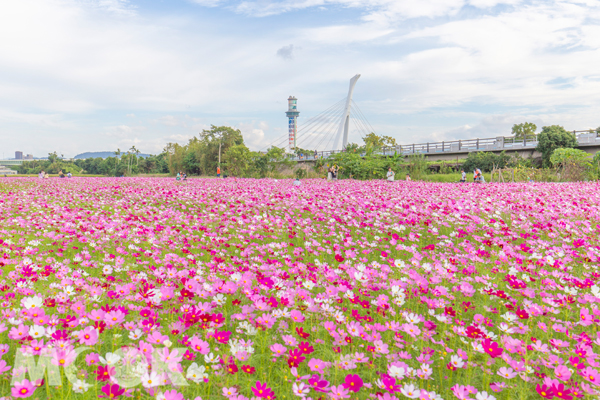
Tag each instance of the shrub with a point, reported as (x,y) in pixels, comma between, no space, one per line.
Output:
(552,138)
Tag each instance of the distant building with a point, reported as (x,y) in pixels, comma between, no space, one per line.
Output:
(18,155)
(6,171)
(29,157)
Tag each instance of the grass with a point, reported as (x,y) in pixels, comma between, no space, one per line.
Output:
(452,177)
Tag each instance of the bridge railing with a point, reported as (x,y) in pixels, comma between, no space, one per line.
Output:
(459,146)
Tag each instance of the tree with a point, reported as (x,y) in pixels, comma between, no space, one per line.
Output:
(375,141)
(564,156)
(277,159)
(52,157)
(524,131)
(485,161)
(213,143)
(574,164)
(237,158)
(552,138)
(175,156)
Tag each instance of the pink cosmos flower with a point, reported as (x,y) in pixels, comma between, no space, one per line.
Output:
(173,395)
(316,365)
(89,336)
(22,389)
(338,392)
(562,372)
(4,367)
(278,349)
(506,372)
(199,345)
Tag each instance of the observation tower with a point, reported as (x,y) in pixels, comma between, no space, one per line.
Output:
(292,114)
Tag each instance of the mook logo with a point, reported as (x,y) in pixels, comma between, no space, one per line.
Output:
(125,367)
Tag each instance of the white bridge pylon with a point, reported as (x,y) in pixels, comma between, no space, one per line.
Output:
(323,131)
(345,121)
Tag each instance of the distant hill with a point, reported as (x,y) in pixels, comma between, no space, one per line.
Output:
(103,154)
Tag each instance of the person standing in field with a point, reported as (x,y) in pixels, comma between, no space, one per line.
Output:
(463,176)
(408,178)
(178,175)
(330,174)
(390,175)
(218,172)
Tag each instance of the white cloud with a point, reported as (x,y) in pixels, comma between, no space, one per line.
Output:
(254,134)
(72,66)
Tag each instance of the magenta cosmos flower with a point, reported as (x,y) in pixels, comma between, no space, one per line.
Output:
(353,383)
(261,390)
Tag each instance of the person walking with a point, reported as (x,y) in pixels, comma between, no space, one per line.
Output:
(390,175)
(463,176)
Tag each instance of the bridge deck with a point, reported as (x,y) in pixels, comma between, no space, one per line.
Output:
(585,139)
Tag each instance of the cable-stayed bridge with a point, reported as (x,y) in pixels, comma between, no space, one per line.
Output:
(320,136)
(327,131)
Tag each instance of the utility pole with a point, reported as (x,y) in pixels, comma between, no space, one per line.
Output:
(220,142)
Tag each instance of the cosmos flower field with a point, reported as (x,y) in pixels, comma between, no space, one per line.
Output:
(255,289)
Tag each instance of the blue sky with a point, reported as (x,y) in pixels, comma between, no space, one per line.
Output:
(97,75)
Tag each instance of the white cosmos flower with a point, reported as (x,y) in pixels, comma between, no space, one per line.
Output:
(36,331)
(110,359)
(80,386)
(136,335)
(196,373)
(32,302)
(150,379)
(397,372)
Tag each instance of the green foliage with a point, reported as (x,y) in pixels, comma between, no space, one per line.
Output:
(565,156)
(417,166)
(523,131)
(53,165)
(552,138)
(129,164)
(485,161)
(352,165)
(304,152)
(300,173)
(237,159)
(354,148)
(375,141)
